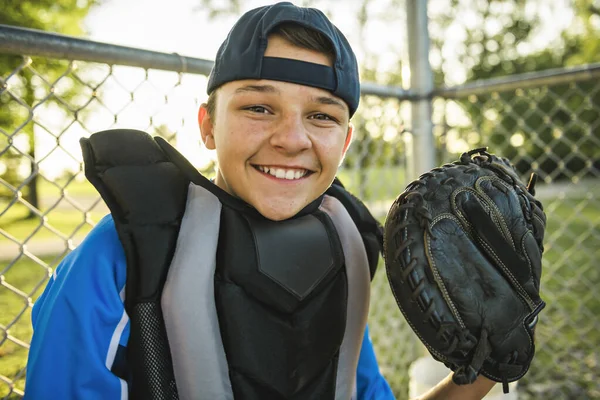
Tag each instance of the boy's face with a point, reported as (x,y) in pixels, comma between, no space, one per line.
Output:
(278,144)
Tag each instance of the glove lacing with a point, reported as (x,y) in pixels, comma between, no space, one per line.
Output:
(457,338)
(468,374)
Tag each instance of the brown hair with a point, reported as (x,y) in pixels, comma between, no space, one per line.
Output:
(297,35)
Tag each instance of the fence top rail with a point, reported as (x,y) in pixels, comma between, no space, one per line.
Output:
(32,42)
(521,81)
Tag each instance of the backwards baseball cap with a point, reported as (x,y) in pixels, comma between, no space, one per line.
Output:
(241,56)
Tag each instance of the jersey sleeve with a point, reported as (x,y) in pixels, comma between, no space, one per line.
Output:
(79,322)
(370,383)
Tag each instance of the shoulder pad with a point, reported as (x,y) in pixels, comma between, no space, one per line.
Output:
(370,229)
(146,195)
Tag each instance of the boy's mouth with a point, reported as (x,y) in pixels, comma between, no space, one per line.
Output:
(283,173)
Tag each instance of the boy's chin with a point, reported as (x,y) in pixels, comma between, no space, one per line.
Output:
(278,215)
(279,212)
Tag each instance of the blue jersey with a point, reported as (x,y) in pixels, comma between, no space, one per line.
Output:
(81,328)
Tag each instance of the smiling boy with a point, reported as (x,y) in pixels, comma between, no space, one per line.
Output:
(279,144)
(254,286)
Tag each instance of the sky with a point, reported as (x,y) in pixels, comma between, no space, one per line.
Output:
(181,26)
(171,26)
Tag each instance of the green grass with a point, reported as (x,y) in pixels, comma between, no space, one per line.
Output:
(72,187)
(69,222)
(65,219)
(25,279)
(29,279)
(374,181)
(568,334)
(75,187)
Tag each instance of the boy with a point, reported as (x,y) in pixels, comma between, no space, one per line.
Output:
(252,286)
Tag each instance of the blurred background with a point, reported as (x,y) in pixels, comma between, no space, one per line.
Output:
(439,78)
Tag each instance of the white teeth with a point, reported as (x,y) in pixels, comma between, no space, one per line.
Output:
(281,173)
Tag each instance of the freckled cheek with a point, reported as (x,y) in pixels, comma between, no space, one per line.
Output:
(238,145)
(249,132)
(329,148)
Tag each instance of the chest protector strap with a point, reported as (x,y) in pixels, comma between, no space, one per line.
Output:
(144,182)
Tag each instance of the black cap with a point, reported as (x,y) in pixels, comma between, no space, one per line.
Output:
(241,56)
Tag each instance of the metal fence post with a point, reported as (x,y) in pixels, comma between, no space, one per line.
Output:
(420,147)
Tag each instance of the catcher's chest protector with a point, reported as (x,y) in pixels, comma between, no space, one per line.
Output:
(224,303)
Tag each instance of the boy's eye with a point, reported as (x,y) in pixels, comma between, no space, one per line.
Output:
(258,109)
(322,117)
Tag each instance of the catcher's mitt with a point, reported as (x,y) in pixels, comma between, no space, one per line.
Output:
(463,251)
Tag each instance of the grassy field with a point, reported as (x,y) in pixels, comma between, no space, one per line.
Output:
(29,279)
(63,217)
(374,182)
(69,222)
(568,335)
(74,187)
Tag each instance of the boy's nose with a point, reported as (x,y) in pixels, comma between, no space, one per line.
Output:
(291,136)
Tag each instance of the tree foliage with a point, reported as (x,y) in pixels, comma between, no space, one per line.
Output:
(554,123)
(27,83)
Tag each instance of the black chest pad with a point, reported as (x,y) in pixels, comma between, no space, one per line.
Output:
(296,254)
(281,295)
(280,263)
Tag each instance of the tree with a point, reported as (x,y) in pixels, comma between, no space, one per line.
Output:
(26,82)
(547,123)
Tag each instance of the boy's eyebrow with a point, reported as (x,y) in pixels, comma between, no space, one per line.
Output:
(330,101)
(272,89)
(258,88)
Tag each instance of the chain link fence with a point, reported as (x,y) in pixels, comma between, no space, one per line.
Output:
(47,207)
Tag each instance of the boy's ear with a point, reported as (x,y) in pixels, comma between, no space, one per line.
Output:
(205,123)
(348,138)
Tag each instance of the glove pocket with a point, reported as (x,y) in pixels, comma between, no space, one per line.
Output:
(495,240)
(480,295)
